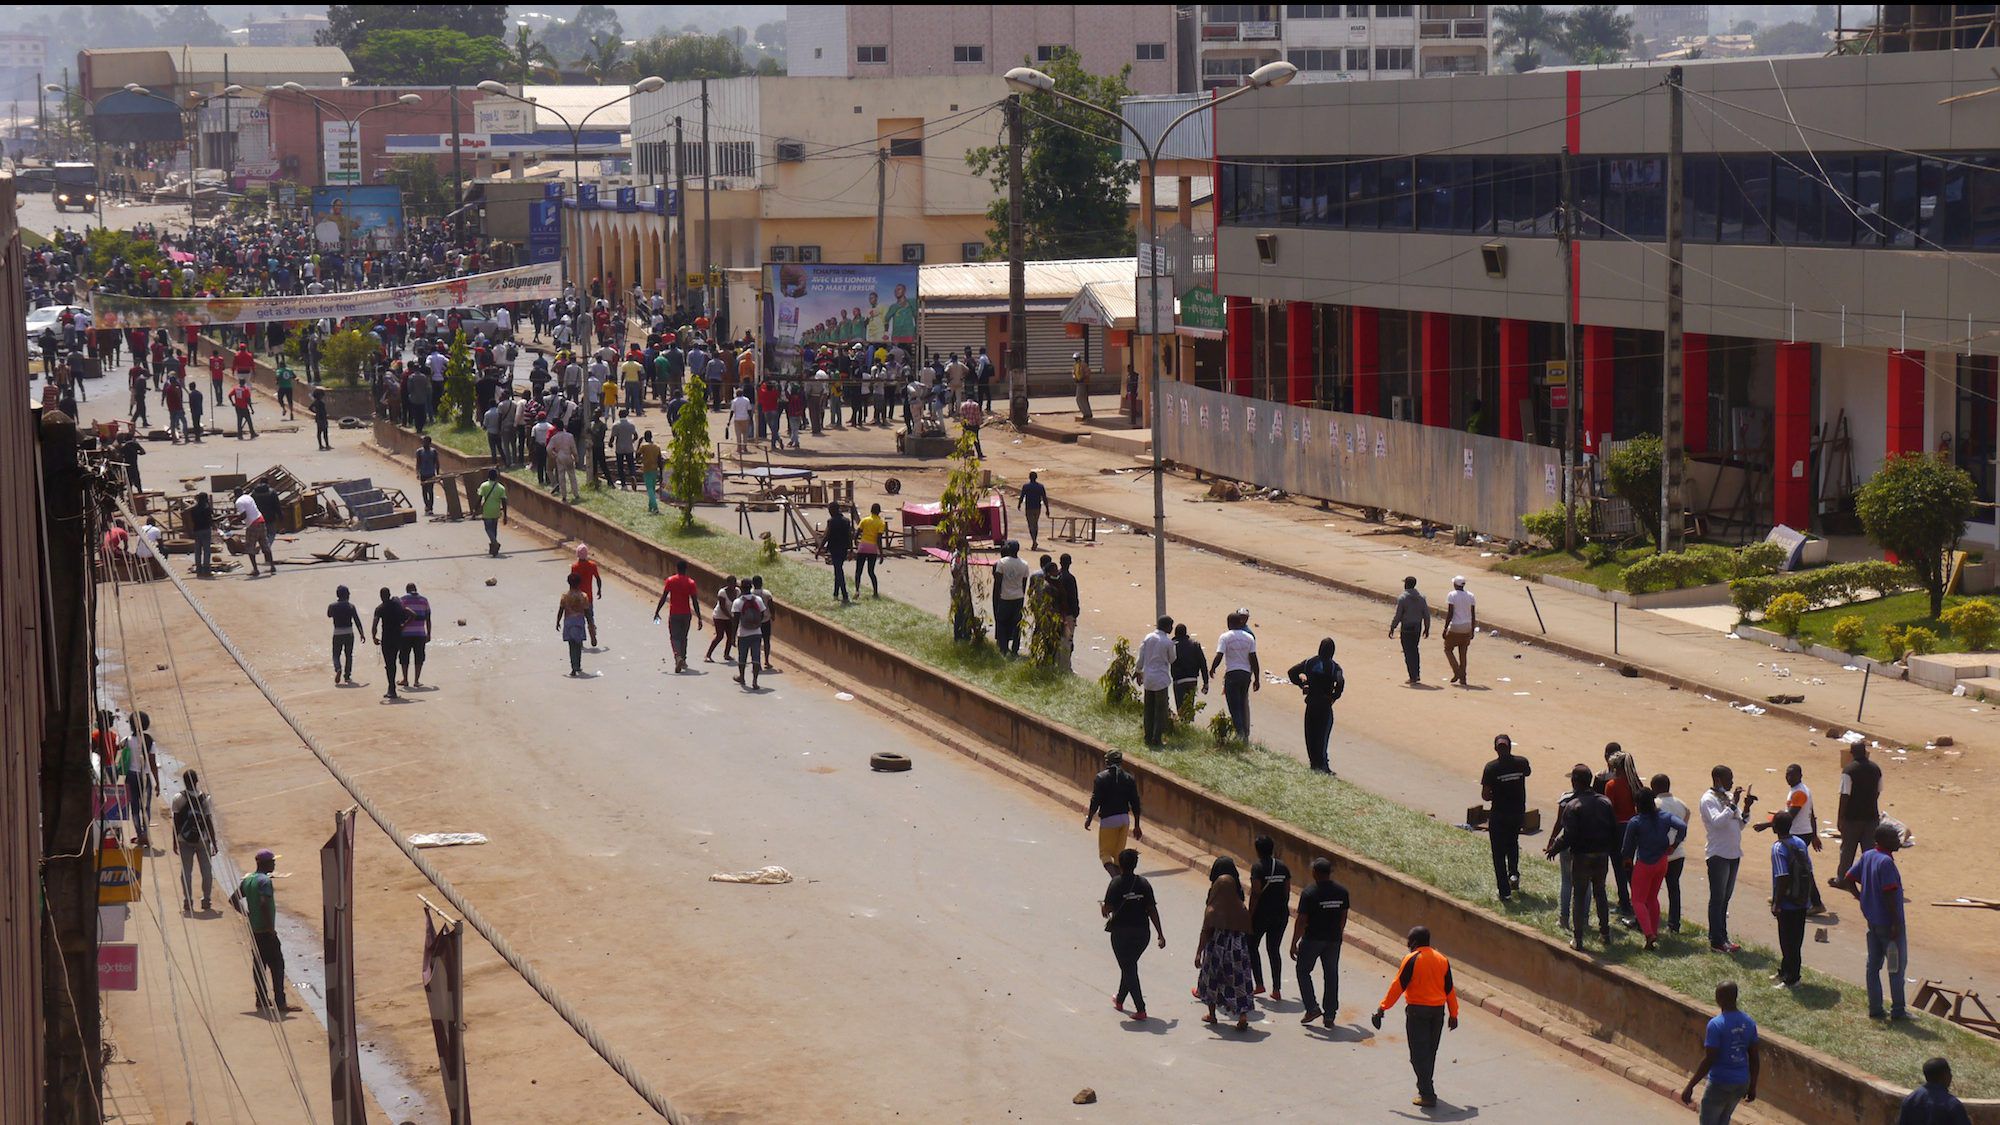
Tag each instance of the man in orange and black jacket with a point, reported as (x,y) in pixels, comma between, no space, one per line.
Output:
(1424,982)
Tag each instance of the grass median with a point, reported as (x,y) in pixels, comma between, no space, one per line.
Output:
(1824,1013)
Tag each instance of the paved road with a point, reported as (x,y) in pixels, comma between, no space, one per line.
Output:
(940,953)
(38,213)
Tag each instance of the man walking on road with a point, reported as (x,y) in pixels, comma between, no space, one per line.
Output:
(427,471)
(593,586)
(678,596)
(1460,626)
(649,470)
(387,628)
(1505,783)
(256,532)
(839,543)
(1316,936)
(240,398)
(1859,812)
(750,612)
(1156,679)
(1413,620)
(1114,804)
(1033,499)
(346,626)
(1587,830)
(493,509)
(415,635)
(257,898)
(194,841)
(1236,655)
(1723,814)
(1875,880)
(1729,1060)
(1424,982)
(1323,683)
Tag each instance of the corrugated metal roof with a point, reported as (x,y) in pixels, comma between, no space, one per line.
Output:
(246,60)
(1042,281)
(1150,113)
(1109,304)
(574,102)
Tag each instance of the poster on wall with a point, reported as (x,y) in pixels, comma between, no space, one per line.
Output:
(810,304)
(358,216)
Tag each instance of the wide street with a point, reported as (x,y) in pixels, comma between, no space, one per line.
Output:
(939,953)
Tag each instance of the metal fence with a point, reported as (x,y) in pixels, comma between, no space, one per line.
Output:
(1445,476)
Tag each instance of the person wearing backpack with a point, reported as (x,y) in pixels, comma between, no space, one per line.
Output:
(1791,896)
(750,613)
(194,841)
(1323,683)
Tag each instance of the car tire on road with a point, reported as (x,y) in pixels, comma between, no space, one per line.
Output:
(886,761)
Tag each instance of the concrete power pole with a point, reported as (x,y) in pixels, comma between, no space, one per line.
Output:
(707,189)
(1573,385)
(1017,301)
(1673,415)
(881,197)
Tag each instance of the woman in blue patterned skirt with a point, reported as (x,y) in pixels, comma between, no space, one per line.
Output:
(1223,954)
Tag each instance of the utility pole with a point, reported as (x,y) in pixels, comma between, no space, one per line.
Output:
(457,172)
(228,138)
(707,189)
(41,112)
(1673,439)
(681,243)
(881,197)
(1572,385)
(1017,301)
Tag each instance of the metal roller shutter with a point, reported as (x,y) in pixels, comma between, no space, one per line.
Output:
(1049,347)
(945,331)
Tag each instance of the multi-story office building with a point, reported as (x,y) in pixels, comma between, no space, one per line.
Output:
(967,40)
(1342,42)
(1841,282)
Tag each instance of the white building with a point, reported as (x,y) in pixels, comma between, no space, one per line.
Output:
(1342,42)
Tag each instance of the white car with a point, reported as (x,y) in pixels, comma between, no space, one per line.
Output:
(51,317)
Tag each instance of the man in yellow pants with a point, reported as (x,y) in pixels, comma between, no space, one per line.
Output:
(1114,804)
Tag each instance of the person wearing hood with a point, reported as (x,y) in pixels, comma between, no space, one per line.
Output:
(1322,681)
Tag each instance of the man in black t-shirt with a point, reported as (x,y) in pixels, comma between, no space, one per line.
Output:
(1270,899)
(1505,783)
(1316,938)
(1860,809)
(1587,829)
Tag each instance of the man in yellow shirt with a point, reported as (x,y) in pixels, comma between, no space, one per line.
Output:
(631,374)
(1079,372)
(649,470)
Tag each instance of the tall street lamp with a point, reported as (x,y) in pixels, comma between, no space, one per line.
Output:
(353,121)
(190,127)
(1031,81)
(643,86)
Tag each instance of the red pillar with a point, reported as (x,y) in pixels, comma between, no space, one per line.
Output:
(1905,408)
(1791,437)
(1367,337)
(1437,369)
(1513,376)
(1596,387)
(1694,392)
(1237,311)
(1300,352)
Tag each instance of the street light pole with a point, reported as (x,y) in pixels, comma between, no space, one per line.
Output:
(1029,80)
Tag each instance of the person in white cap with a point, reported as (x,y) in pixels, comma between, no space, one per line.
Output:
(1079,372)
(1461,621)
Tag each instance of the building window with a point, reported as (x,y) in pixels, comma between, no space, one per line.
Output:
(906,146)
(808,253)
(735,158)
(976,53)
(1314,58)
(1312,11)
(1972,445)
(1393,11)
(1152,52)
(972,251)
(871,54)
(1395,58)
(689,159)
(1047,52)
(1357,59)
(1227,68)
(1240,13)
(819,52)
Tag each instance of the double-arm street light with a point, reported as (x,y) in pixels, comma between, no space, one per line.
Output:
(1031,81)
(353,120)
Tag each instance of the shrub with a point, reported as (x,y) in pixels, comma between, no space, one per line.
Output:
(1917,505)
(1633,471)
(1922,641)
(1896,639)
(346,356)
(1187,707)
(1848,633)
(1822,585)
(1117,678)
(1696,566)
(1221,728)
(1547,524)
(1597,554)
(1784,611)
(1755,559)
(1973,622)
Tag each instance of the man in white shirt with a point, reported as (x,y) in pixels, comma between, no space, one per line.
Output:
(1236,655)
(562,464)
(1461,621)
(739,418)
(1010,592)
(1156,679)
(1805,823)
(255,532)
(1665,801)
(1723,813)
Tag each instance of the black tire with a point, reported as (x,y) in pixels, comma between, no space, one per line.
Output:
(888,762)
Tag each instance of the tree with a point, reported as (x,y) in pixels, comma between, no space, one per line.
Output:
(348,24)
(191,24)
(1633,471)
(1794,38)
(603,58)
(1917,505)
(768,67)
(1597,33)
(675,57)
(959,518)
(571,38)
(1743,27)
(424,188)
(532,59)
(1522,29)
(1076,186)
(430,57)
(460,396)
(346,355)
(687,453)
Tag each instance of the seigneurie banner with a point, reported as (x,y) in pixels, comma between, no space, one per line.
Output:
(521,283)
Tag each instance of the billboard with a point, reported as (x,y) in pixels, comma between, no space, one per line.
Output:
(809,304)
(357,216)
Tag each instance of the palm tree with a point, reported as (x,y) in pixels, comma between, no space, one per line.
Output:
(532,58)
(604,59)
(1597,33)
(1521,28)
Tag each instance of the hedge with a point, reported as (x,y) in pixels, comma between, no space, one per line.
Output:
(1700,566)
(1821,586)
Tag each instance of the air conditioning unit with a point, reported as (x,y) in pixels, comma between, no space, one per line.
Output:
(808,253)
(781,254)
(972,251)
(791,151)
(913,252)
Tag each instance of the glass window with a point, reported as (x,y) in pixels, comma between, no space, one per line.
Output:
(1314,58)
(1868,200)
(1288,196)
(1434,193)
(1393,11)
(1983,196)
(1363,184)
(1900,201)
(1357,59)
(1972,445)
(1395,58)
(1792,207)
(1586,176)
(1746,199)
(969,54)
(1645,193)
(1833,199)
(1699,217)
(1473,202)
(1941,203)
(1334,180)
(1225,191)
(871,54)
(1152,52)
(1399,192)
(1312,190)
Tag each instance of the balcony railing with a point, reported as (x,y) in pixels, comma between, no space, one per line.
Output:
(1239,32)
(1451,65)
(1451,29)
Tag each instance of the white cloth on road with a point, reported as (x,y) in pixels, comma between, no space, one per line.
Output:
(765,875)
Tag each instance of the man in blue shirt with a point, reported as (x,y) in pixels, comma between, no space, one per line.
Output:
(1933,1103)
(1879,885)
(1729,1060)
(1791,895)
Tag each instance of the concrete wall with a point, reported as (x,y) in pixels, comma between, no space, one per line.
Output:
(921,38)
(1609,1003)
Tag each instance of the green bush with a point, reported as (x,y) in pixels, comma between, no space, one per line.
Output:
(1221,728)
(1633,471)
(1848,633)
(1784,611)
(1117,678)
(1757,559)
(1896,640)
(1917,505)
(1547,524)
(346,357)
(1676,571)
(1922,641)
(1822,585)
(1973,622)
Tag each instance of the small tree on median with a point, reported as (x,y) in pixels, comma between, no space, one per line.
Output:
(959,516)
(1917,505)
(687,455)
(459,394)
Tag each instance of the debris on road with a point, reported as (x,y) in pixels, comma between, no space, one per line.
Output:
(446,839)
(1087,1096)
(763,876)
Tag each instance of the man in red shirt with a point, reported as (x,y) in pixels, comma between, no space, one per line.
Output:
(217,367)
(679,598)
(244,364)
(239,397)
(593,588)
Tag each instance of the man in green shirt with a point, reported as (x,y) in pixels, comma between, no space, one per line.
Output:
(286,380)
(257,898)
(493,509)
(649,469)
